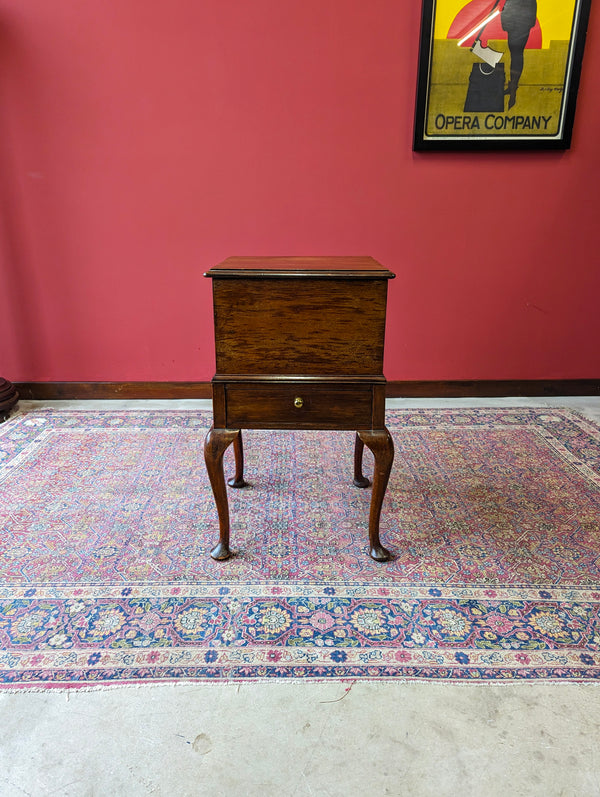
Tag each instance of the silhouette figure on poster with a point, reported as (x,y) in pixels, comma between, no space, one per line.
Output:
(486,85)
(517,19)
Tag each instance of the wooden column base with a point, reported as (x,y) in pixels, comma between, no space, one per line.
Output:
(8,398)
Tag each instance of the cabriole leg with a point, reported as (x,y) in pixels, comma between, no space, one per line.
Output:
(381,444)
(238,451)
(359,480)
(215,445)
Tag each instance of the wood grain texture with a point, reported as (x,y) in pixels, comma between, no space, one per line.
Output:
(292,327)
(292,405)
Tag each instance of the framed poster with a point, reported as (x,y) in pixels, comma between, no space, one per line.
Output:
(499,74)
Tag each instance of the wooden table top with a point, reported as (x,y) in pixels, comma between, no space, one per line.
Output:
(321,267)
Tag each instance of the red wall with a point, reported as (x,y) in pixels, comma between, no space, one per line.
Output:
(141,142)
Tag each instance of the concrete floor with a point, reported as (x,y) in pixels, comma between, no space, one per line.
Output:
(415,739)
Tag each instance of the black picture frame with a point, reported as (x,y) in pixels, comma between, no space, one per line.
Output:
(470,93)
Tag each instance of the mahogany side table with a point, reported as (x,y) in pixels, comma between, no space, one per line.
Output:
(299,345)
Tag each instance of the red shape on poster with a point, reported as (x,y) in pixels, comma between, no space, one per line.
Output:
(475,12)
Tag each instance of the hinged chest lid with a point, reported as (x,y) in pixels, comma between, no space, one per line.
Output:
(338,267)
(299,316)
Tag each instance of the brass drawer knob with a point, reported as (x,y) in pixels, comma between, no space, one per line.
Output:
(298,402)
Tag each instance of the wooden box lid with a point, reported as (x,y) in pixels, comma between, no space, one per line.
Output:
(324,267)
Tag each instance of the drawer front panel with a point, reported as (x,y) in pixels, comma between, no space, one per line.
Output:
(298,406)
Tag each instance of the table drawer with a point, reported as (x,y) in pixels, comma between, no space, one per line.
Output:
(297,405)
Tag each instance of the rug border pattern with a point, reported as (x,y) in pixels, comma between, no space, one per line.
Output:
(36,664)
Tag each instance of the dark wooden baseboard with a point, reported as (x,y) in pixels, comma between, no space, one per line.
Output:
(52,391)
(494,388)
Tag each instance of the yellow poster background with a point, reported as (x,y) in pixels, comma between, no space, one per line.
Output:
(536,109)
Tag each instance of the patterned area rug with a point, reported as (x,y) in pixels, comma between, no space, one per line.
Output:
(107,518)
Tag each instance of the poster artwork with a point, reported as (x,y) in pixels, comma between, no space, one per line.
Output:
(498,69)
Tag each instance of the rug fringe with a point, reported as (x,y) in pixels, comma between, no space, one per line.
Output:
(352,683)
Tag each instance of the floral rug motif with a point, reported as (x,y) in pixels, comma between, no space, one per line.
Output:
(107,518)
